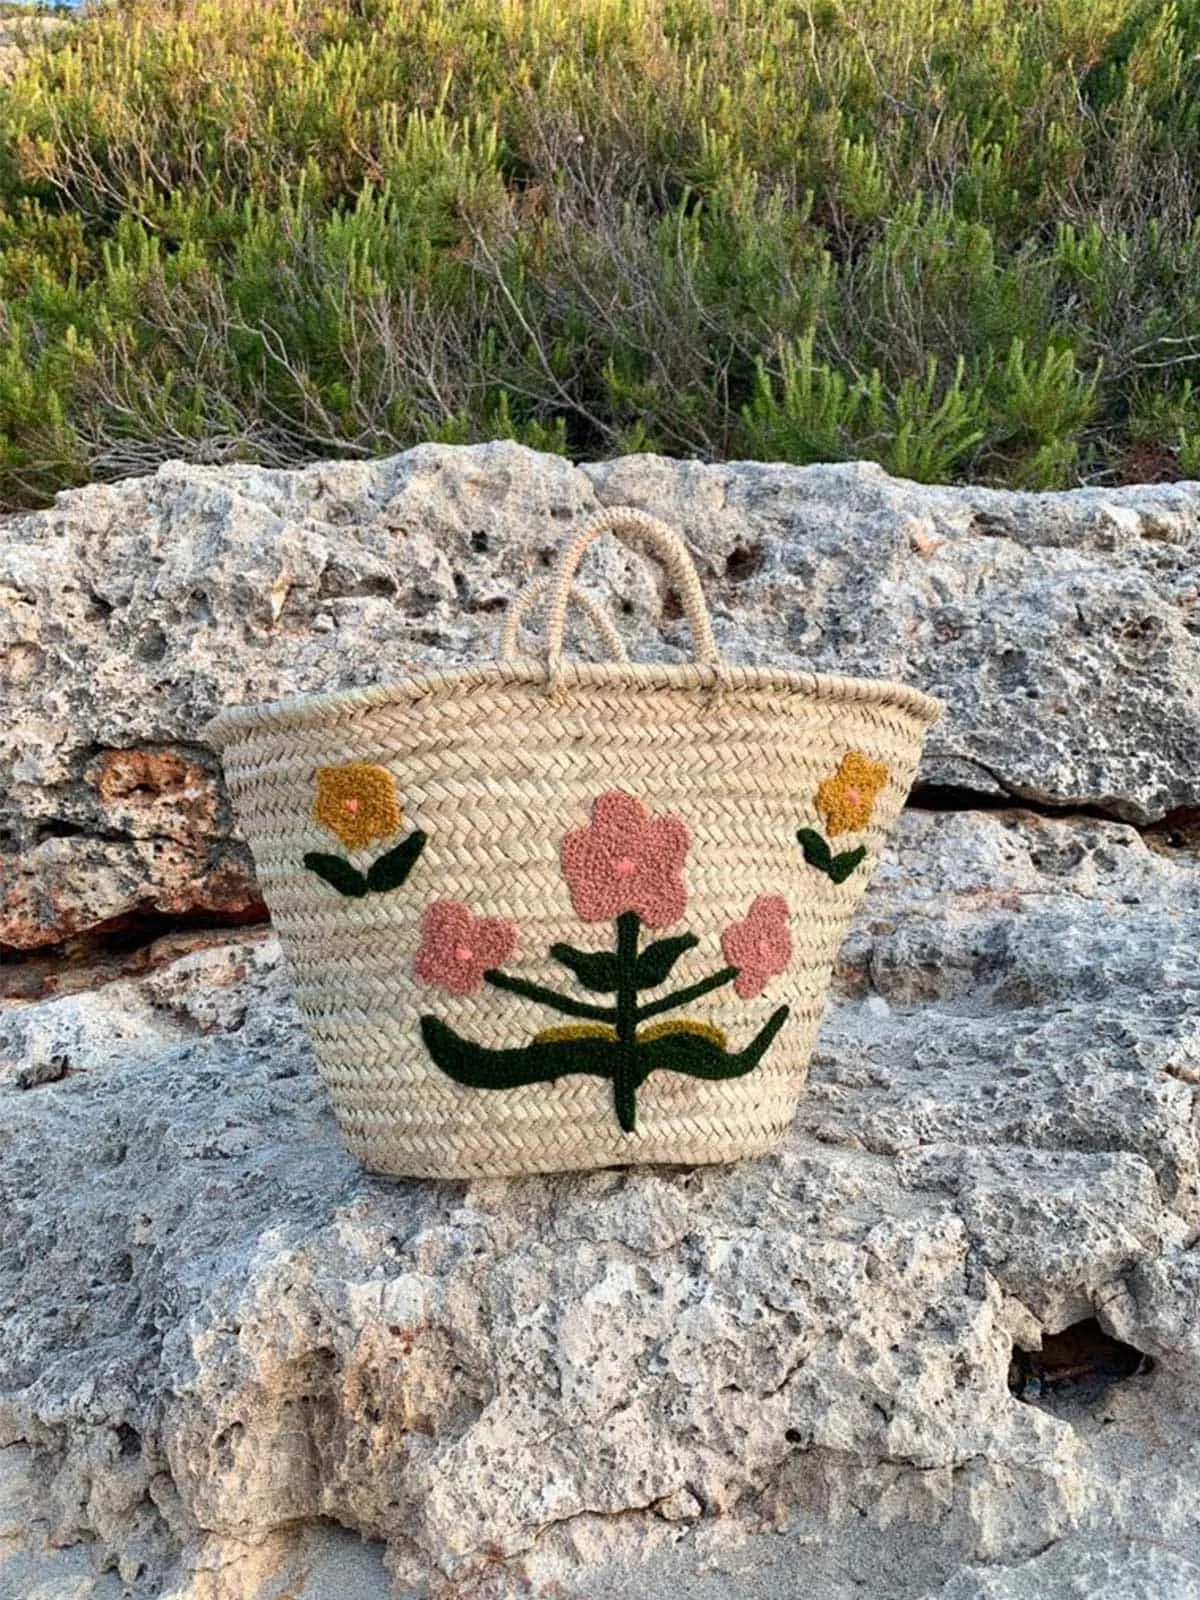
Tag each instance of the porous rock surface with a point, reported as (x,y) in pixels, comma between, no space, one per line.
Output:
(1063,632)
(800,1375)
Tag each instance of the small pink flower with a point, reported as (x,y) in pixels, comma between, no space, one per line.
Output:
(626,860)
(457,947)
(759,947)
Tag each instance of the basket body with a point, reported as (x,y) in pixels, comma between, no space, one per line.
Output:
(729,798)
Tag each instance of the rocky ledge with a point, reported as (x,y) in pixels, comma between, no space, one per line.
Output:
(943,1344)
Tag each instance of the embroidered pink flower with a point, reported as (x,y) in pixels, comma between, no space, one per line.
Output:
(457,947)
(626,860)
(760,947)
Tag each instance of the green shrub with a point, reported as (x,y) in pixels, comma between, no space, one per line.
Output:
(963,241)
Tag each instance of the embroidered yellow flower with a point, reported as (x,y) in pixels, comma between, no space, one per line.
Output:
(357,801)
(847,800)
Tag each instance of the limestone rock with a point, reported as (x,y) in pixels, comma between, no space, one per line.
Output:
(1106,1572)
(1063,631)
(792,1375)
(832,1371)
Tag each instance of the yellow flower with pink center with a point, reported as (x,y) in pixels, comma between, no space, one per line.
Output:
(847,800)
(357,801)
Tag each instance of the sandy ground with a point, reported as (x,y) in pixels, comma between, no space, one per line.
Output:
(346,1568)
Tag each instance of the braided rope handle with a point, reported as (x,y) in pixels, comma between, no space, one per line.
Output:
(632,527)
(520,607)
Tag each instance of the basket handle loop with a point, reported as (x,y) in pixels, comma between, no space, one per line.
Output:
(520,607)
(672,553)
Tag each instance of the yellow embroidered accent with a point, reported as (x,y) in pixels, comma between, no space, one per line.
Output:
(705,1030)
(357,801)
(847,800)
(575,1030)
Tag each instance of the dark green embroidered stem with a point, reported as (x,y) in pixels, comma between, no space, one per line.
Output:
(681,997)
(625,1072)
(549,997)
(615,1051)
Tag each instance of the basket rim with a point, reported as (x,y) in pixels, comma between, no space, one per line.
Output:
(298,710)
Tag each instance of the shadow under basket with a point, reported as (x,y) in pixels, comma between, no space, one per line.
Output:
(547,914)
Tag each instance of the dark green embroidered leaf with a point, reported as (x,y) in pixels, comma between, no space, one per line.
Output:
(392,868)
(656,960)
(549,997)
(701,1057)
(842,866)
(816,851)
(595,969)
(479,1067)
(344,878)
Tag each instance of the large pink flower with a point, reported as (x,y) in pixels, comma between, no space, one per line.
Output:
(457,947)
(760,947)
(626,860)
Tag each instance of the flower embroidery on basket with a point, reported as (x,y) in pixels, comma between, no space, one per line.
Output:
(357,802)
(458,948)
(846,801)
(760,947)
(626,860)
(625,866)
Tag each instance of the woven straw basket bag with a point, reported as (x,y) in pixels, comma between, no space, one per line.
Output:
(549,914)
